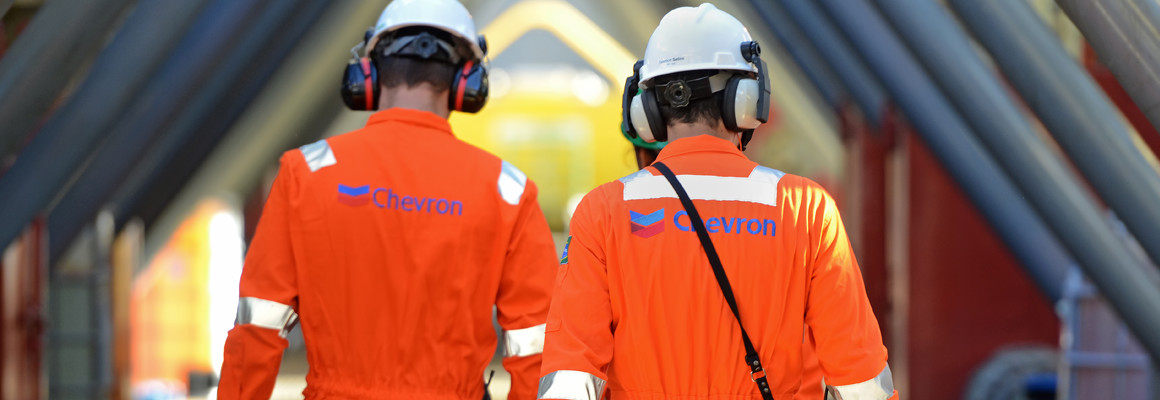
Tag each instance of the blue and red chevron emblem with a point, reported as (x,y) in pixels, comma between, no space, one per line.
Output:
(354,195)
(647,225)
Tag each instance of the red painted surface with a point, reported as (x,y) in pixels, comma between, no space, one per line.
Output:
(1103,76)
(864,210)
(22,323)
(967,295)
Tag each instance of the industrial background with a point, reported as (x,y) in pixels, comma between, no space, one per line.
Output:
(993,160)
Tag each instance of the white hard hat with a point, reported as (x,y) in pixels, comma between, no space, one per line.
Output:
(446,15)
(691,39)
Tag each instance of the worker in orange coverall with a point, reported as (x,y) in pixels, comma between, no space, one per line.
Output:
(637,311)
(391,244)
(811,387)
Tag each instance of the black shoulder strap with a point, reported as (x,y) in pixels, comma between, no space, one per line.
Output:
(752,360)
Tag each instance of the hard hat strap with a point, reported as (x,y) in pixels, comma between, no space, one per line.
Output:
(752,359)
(423,45)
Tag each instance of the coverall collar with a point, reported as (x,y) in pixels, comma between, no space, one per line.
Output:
(411,117)
(697,144)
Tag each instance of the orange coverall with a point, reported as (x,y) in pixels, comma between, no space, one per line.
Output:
(636,304)
(392,243)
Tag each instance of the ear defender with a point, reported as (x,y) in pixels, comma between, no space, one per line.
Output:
(360,81)
(360,85)
(640,111)
(469,88)
(626,100)
(746,91)
(655,124)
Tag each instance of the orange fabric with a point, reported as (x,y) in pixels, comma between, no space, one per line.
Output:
(644,312)
(811,387)
(394,292)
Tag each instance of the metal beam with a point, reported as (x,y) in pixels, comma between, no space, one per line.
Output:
(77,128)
(933,37)
(803,52)
(1075,110)
(303,92)
(169,165)
(1132,290)
(865,89)
(216,60)
(1038,251)
(1124,35)
(61,39)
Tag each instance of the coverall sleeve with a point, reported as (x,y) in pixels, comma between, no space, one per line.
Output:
(848,340)
(524,295)
(578,345)
(268,300)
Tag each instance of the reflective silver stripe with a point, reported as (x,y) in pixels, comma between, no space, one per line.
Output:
(880,387)
(266,314)
(635,175)
(511,183)
(767,174)
(571,385)
(318,155)
(759,187)
(525,342)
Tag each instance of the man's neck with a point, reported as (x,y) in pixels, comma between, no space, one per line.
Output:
(682,130)
(421,97)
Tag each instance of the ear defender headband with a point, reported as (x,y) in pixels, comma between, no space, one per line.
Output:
(469,86)
(744,107)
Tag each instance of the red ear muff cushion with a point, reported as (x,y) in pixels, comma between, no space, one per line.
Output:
(461,84)
(368,83)
(728,108)
(652,112)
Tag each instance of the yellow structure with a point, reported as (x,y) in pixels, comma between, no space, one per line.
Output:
(558,125)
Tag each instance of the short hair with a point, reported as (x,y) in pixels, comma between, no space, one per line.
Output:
(706,109)
(395,71)
(413,71)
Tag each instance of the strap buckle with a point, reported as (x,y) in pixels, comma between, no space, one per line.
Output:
(757,374)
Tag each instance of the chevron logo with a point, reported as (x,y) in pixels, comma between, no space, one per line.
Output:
(647,225)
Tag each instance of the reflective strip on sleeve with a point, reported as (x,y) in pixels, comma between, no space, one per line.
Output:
(880,387)
(511,183)
(266,314)
(525,342)
(571,385)
(759,187)
(318,155)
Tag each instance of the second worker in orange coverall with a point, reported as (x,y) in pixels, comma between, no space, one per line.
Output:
(637,312)
(392,243)
(811,387)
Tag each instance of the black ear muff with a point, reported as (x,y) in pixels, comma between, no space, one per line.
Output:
(360,85)
(469,88)
(652,113)
(752,53)
(631,87)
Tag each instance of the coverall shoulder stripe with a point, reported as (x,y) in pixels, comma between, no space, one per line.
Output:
(525,342)
(759,187)
(318,155)
(511,183)
(879,387)
(635,175)
(266,314)
(571,385)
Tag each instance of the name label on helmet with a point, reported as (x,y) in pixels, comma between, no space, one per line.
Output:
(671,60)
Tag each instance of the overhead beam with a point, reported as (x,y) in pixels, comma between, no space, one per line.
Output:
(302,95)
(60,40)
